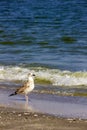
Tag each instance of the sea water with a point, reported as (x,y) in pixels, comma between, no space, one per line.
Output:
(47,37)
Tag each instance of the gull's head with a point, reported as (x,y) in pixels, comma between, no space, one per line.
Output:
(30,79)
(31,75)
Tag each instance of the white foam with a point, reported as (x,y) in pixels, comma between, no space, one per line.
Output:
(57,77)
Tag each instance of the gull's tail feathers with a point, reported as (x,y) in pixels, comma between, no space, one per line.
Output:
(15,93)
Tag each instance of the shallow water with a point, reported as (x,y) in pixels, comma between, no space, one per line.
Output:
(61,106)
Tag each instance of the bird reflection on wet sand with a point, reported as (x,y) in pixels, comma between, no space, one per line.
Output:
(22,106)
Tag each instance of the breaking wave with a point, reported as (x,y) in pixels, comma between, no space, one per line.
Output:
(44,75)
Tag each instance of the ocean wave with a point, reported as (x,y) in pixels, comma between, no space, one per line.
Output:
(44,75)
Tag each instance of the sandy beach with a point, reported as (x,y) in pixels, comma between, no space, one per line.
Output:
(16,115)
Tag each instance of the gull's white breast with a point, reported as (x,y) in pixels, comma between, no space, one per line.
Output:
(30,86)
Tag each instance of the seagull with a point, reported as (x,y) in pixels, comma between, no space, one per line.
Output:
(26,88)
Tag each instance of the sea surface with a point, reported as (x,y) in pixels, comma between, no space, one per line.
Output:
(47,37)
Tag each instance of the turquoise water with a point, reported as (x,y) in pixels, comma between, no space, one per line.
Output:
(48,37)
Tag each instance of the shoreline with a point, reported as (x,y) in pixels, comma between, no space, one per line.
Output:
(58,106)
(15,114)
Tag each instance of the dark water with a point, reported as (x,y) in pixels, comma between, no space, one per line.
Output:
(44,33)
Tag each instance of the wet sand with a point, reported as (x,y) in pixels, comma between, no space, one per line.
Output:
(12,119)
(15,114)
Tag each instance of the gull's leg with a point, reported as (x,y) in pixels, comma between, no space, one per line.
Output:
(26,99)
(26,103)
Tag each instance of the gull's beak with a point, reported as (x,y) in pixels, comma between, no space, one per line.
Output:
(33,75)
